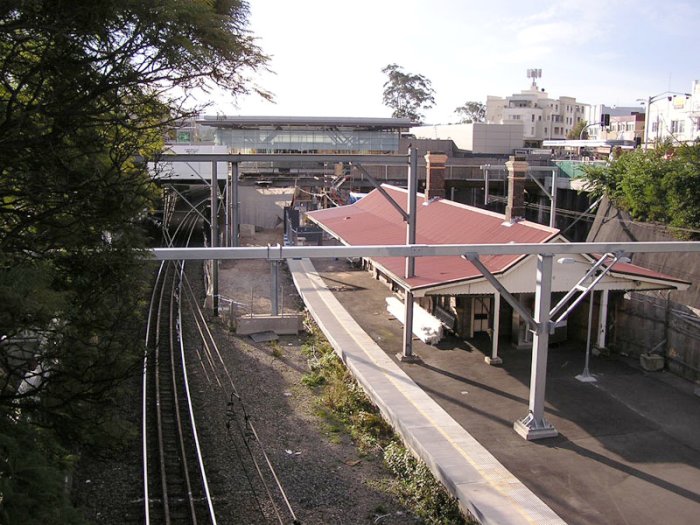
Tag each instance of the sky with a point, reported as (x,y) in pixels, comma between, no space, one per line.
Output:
(327,55)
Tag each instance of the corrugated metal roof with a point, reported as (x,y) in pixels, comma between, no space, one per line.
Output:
(373,221)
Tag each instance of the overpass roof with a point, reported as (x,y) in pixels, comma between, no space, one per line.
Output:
(253,122)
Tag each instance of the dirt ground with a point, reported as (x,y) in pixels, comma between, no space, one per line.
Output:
(247,282)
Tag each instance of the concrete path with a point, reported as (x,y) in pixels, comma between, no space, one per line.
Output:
(483,486)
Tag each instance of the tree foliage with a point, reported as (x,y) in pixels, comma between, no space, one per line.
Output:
(407,94)
(657,185)
(575,133)
(471,112)
(87,87)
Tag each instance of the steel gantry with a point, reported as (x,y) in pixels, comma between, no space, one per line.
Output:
(533,425)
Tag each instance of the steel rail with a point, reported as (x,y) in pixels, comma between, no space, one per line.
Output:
(188,396)
(176,329)
(192,299)
(144,403)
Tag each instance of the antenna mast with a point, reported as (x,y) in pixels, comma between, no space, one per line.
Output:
(534,74)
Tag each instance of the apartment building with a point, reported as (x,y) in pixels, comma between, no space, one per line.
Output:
(542,117)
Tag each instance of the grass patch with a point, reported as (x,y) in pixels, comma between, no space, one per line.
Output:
(343,406)
(276,349)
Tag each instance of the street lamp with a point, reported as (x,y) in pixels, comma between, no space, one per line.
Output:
(668,95)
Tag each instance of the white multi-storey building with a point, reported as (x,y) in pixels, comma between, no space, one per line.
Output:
(673,117)
(542,117)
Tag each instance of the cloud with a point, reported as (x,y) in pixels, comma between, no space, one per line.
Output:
(550,33)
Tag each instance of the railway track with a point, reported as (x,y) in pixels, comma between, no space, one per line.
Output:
(176,487)
(176,481)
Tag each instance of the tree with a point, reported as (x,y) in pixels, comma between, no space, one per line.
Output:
(575,133)
(471,112)
(657,185)
(87,87)
(406,93)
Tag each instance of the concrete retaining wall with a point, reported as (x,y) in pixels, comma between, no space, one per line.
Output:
(281,325)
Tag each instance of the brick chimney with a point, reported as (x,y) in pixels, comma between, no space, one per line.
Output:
(435,178)
(517,169)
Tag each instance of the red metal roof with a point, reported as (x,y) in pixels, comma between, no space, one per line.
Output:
(373,220)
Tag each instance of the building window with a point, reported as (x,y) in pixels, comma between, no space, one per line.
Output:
(677,126)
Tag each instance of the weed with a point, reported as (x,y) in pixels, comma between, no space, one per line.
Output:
(313,379)
(276,349)
(343,404)
(419,489)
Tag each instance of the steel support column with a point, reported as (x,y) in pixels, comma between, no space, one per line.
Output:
(274,286)
(603,319)
(410,270)
(534,425)
(407,354)
(214,238)
(228,207)
(494,359)
(553,200)
(586,376)
(235,207)
(411,208)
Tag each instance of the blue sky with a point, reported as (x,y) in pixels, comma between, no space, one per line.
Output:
(327,55)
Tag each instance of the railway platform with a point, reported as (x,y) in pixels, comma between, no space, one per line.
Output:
(627,451)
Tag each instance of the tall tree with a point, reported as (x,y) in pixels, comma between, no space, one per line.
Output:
(407,94)
(471,112)
(87,87)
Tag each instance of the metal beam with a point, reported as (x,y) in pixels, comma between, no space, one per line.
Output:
(422,250)
(381,190)
(274,286)
(277,157)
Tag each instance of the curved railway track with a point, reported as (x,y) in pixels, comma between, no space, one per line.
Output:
(176,488)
